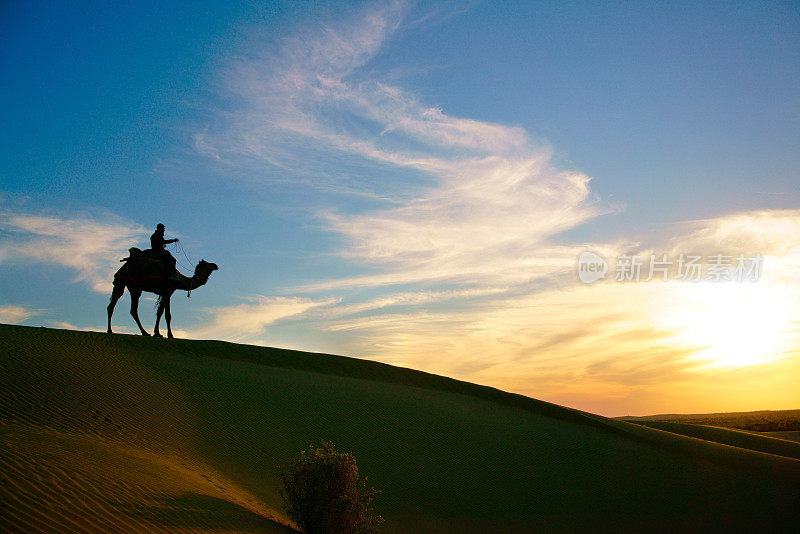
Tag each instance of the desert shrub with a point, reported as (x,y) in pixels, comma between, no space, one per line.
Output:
(323,494)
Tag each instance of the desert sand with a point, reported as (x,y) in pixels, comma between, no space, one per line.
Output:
(120,433)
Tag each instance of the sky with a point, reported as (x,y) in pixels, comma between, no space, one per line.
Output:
(592,204)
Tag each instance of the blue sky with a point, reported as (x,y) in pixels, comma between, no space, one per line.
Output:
(390,179)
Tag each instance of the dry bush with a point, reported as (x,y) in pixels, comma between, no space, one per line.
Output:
(323,494)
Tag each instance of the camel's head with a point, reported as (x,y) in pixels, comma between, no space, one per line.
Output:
(205,268)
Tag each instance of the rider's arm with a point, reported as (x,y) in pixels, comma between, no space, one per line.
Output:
(167,241)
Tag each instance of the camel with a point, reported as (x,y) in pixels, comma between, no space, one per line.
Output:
(142,272)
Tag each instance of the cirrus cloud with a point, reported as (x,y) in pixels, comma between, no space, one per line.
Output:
(250,319)
(13,314)
(489,206)
(89,245)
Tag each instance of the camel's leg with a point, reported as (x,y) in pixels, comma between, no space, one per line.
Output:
(168,317)
(159,311)
(116,293)
(135,294)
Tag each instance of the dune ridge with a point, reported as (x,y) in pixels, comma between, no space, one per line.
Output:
(736,438)
(124,433)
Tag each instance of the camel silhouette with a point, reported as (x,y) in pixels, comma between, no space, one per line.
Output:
(143,272)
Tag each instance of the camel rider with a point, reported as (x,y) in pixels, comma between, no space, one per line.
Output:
(159,244)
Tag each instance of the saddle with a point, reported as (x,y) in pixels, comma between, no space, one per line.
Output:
(147,265)
(144,256)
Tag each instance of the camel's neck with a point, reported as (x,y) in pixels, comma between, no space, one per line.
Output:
(187,283)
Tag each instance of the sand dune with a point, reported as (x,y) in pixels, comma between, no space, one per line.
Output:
(93,440)
(123,433)
(737,438)
(789,435)
(61,482)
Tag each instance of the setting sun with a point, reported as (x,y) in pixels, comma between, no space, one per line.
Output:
(729,324)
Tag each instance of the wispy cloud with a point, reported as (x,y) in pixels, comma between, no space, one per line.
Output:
(769,231)
(89,245)
(243,322)
(405,299)
(492,201)
(619,342)
(13,314)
